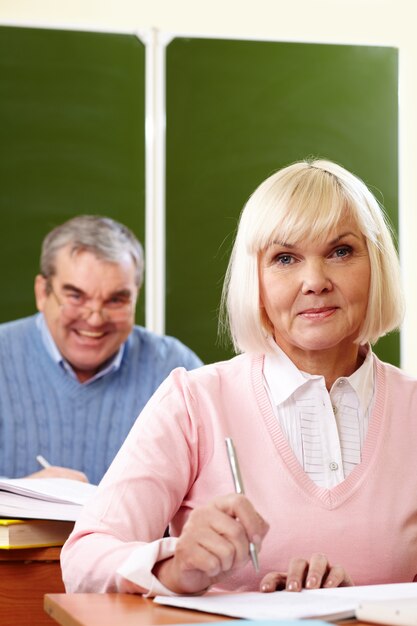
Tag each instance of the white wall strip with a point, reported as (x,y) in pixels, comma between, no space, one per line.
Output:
(155,182)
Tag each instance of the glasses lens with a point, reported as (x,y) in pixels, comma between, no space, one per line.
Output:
(107,315)
(74,311)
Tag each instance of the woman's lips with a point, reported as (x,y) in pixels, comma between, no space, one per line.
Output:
(319,313)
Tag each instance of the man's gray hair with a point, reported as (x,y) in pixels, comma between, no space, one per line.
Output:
(102,236)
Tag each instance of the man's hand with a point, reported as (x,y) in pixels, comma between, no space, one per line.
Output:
(59,472)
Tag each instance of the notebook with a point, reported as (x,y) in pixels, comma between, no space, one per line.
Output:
(402,612)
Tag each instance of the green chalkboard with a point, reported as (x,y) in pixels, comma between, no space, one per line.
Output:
(236,112)
(71,142)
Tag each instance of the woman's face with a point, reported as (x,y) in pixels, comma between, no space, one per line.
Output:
(315,292)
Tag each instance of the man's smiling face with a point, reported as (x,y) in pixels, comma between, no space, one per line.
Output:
(89,307)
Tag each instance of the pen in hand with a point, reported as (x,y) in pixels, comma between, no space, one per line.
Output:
(42,461)
(237,479)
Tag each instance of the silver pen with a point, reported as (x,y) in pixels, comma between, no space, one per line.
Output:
(237,479)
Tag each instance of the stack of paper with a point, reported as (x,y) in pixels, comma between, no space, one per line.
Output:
(43,498)
(328,604)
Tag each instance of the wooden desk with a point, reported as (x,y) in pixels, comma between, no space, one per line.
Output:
(26,575)
(110,609)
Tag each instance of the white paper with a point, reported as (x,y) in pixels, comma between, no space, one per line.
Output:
(325,603)
(51,489)
(43,498)
(15,506)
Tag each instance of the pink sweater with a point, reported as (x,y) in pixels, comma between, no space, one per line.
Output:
(175,459)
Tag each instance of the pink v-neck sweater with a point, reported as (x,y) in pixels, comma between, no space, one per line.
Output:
(175,460)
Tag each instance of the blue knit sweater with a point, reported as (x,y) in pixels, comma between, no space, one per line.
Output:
(45,411)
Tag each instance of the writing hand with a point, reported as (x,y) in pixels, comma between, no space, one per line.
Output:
(214,541)
(312,574)
(55,471)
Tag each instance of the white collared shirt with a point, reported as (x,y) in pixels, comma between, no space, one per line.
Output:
(326,431)
(53,351)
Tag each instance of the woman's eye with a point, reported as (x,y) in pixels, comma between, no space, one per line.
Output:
(285,259)
(343,251)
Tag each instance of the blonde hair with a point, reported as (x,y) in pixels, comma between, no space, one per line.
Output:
(308,199)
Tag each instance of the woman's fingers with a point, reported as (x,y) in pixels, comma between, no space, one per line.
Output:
(214,540)
(223,529)
(214,549)
(321,574)
(338,577)
(239,508)
(273,581)
(308,574)
(296,574)
(316,572)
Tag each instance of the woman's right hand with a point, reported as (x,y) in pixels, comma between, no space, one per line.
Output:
(214,541)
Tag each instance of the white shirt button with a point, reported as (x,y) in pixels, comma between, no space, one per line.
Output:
(341,383)
(333,465)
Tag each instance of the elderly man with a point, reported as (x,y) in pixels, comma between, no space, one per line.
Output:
(74,377)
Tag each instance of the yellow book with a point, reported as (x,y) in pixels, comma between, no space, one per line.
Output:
(33,533)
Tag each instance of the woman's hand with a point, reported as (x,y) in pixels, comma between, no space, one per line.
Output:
(214,541)
(312,574)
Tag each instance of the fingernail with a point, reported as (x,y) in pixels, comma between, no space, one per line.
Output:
(311,582)
(266,587)
(256,540)
(292,585)
(329,583)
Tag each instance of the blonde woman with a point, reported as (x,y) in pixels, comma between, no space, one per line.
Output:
(325,432)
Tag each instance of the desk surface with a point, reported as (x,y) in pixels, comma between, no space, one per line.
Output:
(94,609)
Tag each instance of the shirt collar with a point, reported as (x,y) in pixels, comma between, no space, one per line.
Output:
(52,349)
(283,378)
(281,375)
(362,379)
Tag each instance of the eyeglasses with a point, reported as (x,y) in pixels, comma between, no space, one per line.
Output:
(117,310)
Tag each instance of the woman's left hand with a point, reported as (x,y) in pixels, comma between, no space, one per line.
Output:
(312,574)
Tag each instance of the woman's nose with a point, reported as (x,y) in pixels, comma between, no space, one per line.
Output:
(316,277)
